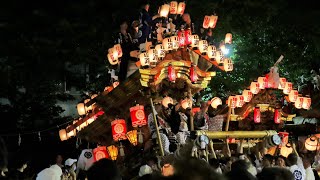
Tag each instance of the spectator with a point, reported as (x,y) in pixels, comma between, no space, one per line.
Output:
(239,171)
(104,169)
(275,173)
(52,173)
(146,21)
(70,165)
(307,166)
(281,161)
(59,160)
(267,161)
(214,163)
(297,171)
(19,169)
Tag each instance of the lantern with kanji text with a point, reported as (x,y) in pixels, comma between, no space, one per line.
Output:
(232,101)
(213,21)
(194,41)
(203,46)
(182,38)
(175,42)
(211,52)
(187,35)
(227,64)
(171,73)
(118,49)
(306,103)
(193,74)
(206,22)
(113,152)
(138,117)
(240,100)
(228,38)
(219,57)
(287,88)
(100,153)
(254,87)
(152,54)
(144,59)
(160,51)
(257,115)
(293,95)
(167,44)
(262,82)
(299,102)
(277,116)
(119,129)
(282,83)
(181,8)
(247,95)
(173,7)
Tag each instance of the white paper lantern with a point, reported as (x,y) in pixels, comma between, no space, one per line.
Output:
(88,108)
(206,22)
(262,82)
(63,135)
(194,41)
(118,49)
(211,52)
(219,57)
(175,42)
(311,143)
(186,103)
(164,10)
(287,88)
(247,95)
(167,44)
(232,101)
(213,21)
(299,102)
(282,83)
(240,100)
(160,51)
(227,64)
(306,103)
(254,87)
(81,109)
(152,54)
(112,60)
(203,46)
(293,95)
(181,8)
(173,7)
(144,59)
(286,150)
(228,38)
(166,101)
(215,102)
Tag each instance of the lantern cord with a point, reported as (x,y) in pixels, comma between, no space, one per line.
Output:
(19,140)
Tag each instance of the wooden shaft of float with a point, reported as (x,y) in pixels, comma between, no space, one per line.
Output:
(235,134)
(157,127)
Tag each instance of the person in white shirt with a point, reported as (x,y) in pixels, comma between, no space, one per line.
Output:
(295,165)
(307,166)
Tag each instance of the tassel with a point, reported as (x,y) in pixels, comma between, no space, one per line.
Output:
(39,136)
(19,140)
(140,137)
(121,150)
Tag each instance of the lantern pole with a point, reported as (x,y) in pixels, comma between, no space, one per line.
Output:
(157,127)
(229,115)
(191,114)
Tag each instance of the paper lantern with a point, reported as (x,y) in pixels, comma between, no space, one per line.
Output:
(203,46)
(215,102)
(90,120)
(206,22)
(187,35)
(167,170)
(240,100)
(119,129)
(284,138)
(186,103)
(132,137)
(118,49)
(232,101)
(228,38)
(306,103)
(194,40)
(193,74)
(115,84)
(152,54)
(299,102)
(160,50)
(219,57)
(287,88)
(247,95)
(81,109)
(144,59)
(138,117)
(173,7)
(211,52)
(293,95)
(277,116)
(94,96)
(88,107)
(166,101)
(63,135)
(171,73)
(167,44)
(100,153)
(213,21)
(262,82)
(181,8)
(164,10)
(108,88)
(227,64)
(311,143)
(282,83)
(71,131)
(286,150)
(224,49)
(182,38)
(254,87)
(257,115)
(113,152)
(175,42)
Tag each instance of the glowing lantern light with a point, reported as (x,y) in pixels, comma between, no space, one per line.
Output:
(152,54)
(299,102)
(227,64)
(254,87)
(119,129)
(284,138)
(182,38)
(203,46)
(219,57)
(187,35)
(108,88)
(306,103)
(186,104)
(88,108)
(164,10)
(206,22)
(90,120)
(262,82)
(118,49)
(81,109)
(144,59)
(160,50)
(115,84)
(70,131)
(257,115)
(228,38)
(215,102)
(277,116)
(113,56)
(138,117)
(247,95)
(132,137)
(194,41)
(171,73)
(282,83)
(240,100)
(311,143)
(232,101)
(213,21)
(94,96)
(173,7)
(286,150)
(181,8)
(166,101)
(287,88)
(113,152)
(100,153)
(175,42)
(211,52)
(167,44)
(63,135)
(224,49)
(293,95)
(193,74)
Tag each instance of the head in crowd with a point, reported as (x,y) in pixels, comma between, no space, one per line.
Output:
(214,163)
(104,169)
(239,165)
(70,164)
(186,18)
(145,5)
(3,157)
(281,161)
(292,159)
(275,173)
(123,26)
(239,170)
(267,160)
(59,160)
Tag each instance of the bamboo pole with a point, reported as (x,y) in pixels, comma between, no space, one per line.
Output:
(235,134)
(191,114)
(229,115)
(157,127)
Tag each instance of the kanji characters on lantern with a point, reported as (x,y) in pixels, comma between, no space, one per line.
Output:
(228,38)
(232,101)
(247,95)
(299,102)
(194,41)
(167,44)
(282,83)
(203,46)
(287,88)
(175,42)
(293,95)
(219,57)
(211,52)
(306,103)
(181,8)
(160,51)
(144,59)
(240,100)
(254,87)
(257,115)
(173,7)
(138,117)
(262,82)
(182,38)
(119,129)
(100,153)
(118,49)
(227,64)
(187,35)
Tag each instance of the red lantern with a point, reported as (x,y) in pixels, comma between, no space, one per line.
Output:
(138,116)
(100,153)
(171,73)
(195,110)
(206,22)
(119,129)
(277,116)
(187,35)
(193,74)
(257,115)
(182,38)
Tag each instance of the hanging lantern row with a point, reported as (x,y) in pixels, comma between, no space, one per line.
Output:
(83,109)
(173,8)
(114,54)
(210,21)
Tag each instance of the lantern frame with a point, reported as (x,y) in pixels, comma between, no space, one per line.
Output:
(132,136)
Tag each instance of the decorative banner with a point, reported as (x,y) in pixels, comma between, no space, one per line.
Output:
(100,153)
(277,116)
(119,129)
(138,117)
(284,138)
(257,115)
